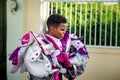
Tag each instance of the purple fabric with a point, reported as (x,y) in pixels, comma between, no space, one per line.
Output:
(25,39)
(81,38)
(76,38)
(62,57)
(15,61)
(53,42)
(14,53)
(56,76)
(72,49)
(65,39)
(14,56)
(83,51)
(59,57)
(72,55)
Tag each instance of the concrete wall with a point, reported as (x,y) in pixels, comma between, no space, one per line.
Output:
(14,33)
(103,64)
(31,15)
(26,18)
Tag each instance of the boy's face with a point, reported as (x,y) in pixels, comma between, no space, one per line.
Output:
(59,31)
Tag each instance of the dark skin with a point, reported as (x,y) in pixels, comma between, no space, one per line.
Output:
(59,31)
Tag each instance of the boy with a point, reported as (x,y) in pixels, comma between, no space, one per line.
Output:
(56,29)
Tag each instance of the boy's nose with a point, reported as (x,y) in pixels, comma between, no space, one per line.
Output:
(64,32)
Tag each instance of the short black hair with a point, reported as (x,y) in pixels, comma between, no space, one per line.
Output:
(55,20)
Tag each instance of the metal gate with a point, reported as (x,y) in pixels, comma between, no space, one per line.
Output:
(98,21)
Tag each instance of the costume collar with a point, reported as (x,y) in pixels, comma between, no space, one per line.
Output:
(54,38)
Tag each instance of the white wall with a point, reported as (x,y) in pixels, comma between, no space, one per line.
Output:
(14,32)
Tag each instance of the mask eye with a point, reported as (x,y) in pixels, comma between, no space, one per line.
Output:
(41,57)
(78,43)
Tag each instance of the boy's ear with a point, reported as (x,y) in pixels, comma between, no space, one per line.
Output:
(52,29)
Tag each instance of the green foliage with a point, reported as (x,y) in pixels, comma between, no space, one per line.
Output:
(80,19)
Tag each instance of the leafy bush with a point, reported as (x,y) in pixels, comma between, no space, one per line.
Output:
(94,23)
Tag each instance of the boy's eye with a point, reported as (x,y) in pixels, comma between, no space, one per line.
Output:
(62,29)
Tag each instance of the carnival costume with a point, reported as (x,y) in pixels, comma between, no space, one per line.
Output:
(44,57)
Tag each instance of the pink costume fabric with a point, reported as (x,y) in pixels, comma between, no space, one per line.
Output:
(14,55)
(62,57)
